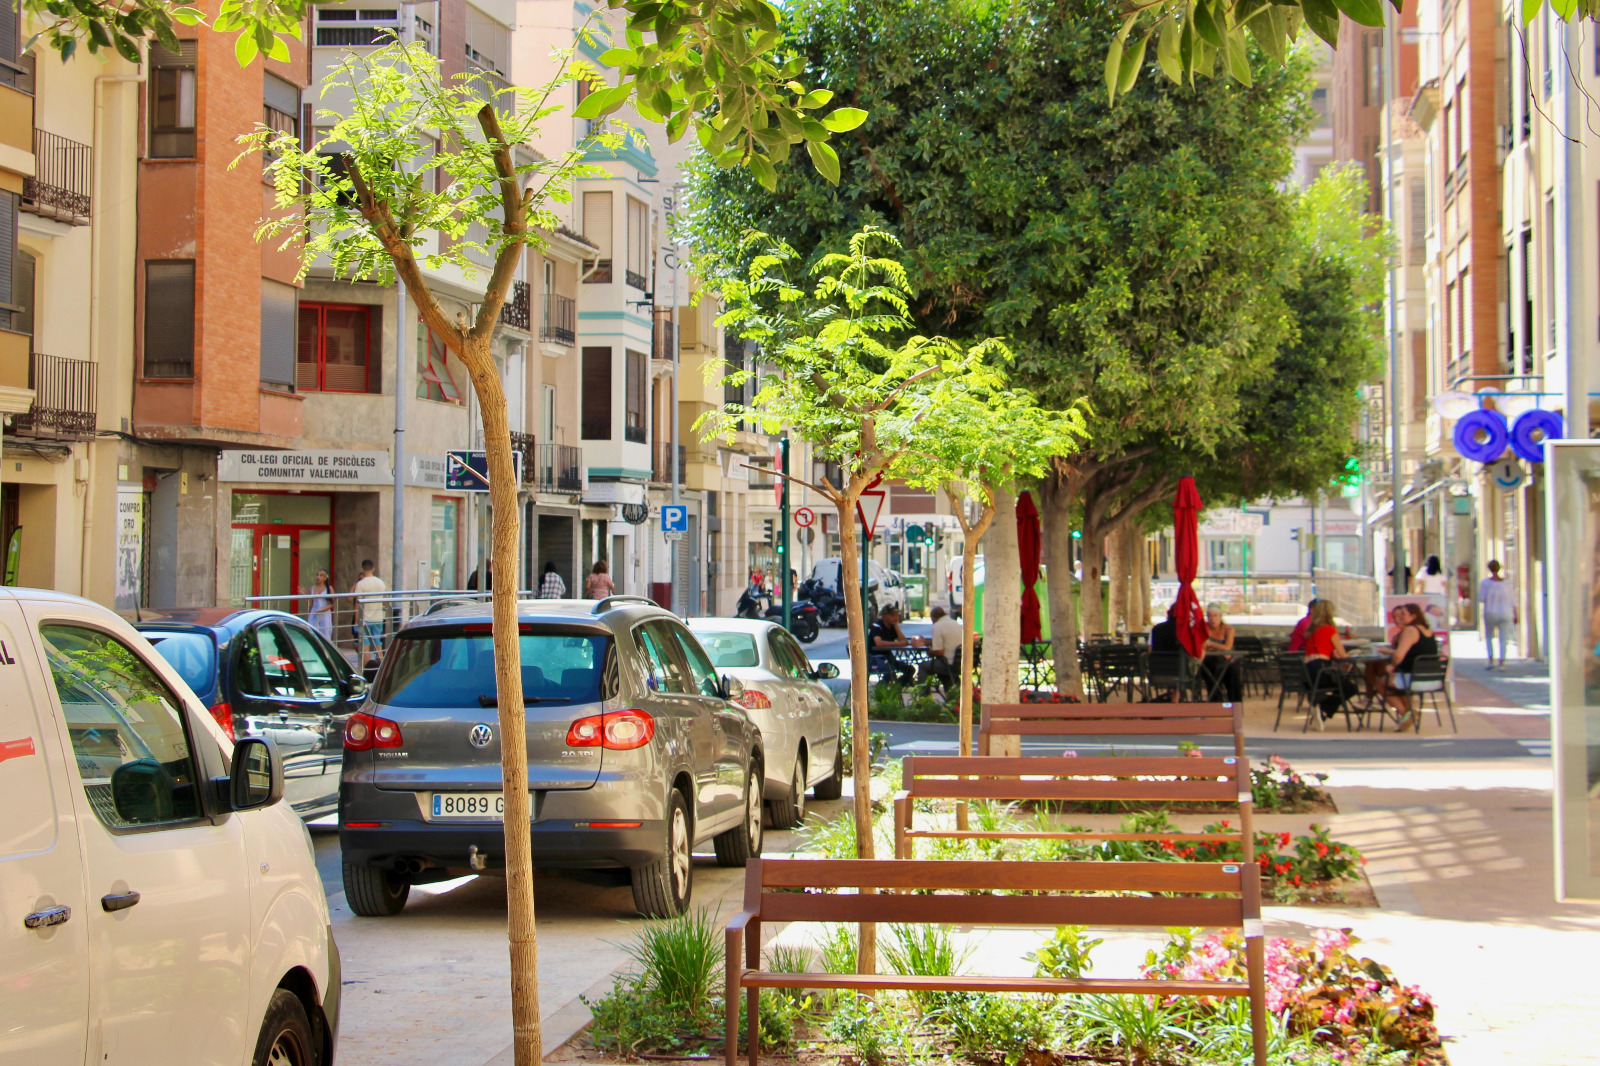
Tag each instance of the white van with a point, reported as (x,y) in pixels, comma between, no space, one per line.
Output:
(889,588)
(158,904)
(953,578)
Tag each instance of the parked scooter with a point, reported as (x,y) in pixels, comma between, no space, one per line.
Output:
(829,604)
(803,619)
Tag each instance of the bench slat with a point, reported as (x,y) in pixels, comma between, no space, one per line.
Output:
(991,875)
(994,711)
(973,834)
(1073,766)
(972,983)
(1152,912)
(989,788)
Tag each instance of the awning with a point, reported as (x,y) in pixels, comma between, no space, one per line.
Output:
(1408,502)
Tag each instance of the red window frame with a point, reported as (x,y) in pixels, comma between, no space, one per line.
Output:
(436,372)
(321,310)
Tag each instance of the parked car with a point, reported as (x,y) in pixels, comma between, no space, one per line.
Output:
(637,752)
(797,715)
(883,583)
(161,905)
(267,674)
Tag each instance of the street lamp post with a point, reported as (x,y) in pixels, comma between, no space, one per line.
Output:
(1397,551)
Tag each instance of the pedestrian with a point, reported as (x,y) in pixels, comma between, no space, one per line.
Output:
(488,576)
(1432,582)
(598,585)
(322,605)
(551,587)
(1499,606)
(372,611)
(1297,635)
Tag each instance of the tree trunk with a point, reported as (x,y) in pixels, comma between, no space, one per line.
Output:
(1117,560)
(1094,539)
(1141,583)
(1002,613)
(504,536)
(970,534)
(1057,521)
(860,733)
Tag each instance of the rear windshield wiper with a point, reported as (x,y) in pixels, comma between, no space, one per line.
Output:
(490,699)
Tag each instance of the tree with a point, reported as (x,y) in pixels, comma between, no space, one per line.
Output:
(1133,255)
(848,376)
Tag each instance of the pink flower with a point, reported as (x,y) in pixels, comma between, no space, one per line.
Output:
(1279,763)
(1070,754)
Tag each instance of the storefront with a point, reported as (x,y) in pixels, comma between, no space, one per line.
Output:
(279,542)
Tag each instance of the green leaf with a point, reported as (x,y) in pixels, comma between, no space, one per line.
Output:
(1271,31)
(1113,69)
(825,159)
(590,107)
(844,119)
(244,48)
(1167,50)
(619,57)
(279,50)
(763,171)
(817,98)
(1132,61)
(1239,57)
(1530,8)
(1186,49)
(188,16)
(126,48)
(1323,18)
(812,129)
(1205,22)
(98,35)
(1564,9)
(1370,12)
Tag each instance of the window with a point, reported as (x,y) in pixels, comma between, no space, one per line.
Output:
(12,72)
(23,293)
(731,650)
(267,667)
(1319,104)
(169,318)
(278,333)
(443,570)
(547,414)
(378,26)
(334,344)
(434,380)
(13,314)
(1227,554)
(789,656)
(127,730)
(667,672)
(635,381)
(597,231)
(170,100)
(280,105)
(445,667)
(317,663)
(639,242)
(705,675)
(597,394)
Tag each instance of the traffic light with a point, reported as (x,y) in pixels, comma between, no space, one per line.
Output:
(766,530)
(930,536)
(1350,478)
(1077,534)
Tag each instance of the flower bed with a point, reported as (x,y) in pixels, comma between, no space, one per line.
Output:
(1310,868)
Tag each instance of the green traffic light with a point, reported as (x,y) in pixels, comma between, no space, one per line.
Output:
(1077,534)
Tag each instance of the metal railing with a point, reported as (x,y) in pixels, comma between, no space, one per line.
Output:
(1357,598)
(64,395)
(661,465)
(516,311)
(63,179)
(560,325)
(527,444)
(359,623)
(560,468)
(504,96)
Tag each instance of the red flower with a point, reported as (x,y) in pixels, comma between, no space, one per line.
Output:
(1283,868)
(1322,850)
(1283,840)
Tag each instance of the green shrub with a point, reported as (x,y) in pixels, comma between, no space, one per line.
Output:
(1141,1027)
(987,1027)
(839,949)
(858,1024)
(1066,954)
(680,963)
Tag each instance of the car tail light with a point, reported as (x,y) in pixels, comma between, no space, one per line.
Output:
(755,700)
(617,730)
(224,716)
(364,731)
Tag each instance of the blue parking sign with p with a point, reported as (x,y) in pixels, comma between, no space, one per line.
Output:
(674,518)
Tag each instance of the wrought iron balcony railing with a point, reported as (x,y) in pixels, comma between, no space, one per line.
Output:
(63,179)
(526,445)
(662,465)
(560,324)
(515,312)
(64,392)
(560,468)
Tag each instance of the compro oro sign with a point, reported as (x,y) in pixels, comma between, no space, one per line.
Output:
(306,467)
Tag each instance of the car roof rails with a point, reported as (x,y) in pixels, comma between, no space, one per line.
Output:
(440,605)
(620,601)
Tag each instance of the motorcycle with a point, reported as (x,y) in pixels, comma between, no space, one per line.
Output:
(829,604)
(803,615)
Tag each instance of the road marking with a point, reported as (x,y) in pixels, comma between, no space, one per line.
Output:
(1538,748)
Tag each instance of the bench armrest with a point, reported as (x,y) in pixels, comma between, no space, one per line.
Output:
(741,920)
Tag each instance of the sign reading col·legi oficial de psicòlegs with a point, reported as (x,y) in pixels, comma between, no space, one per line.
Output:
(326,467)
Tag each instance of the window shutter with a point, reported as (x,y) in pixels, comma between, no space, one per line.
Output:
(597,393)
(281,96)
(375,350)
(186,55)
(278,333)
(169,318)
(9,50)
(597,221)
(8,257)
(23,320)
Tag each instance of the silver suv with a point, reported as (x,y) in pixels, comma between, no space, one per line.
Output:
(636,753)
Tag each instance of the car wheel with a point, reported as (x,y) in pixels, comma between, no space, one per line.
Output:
(661,889)
(285,1038)
(789,812)
(739,845)
(832,786)
(373,892)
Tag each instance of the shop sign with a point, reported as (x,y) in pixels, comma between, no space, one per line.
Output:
(425,471)
(324,468)
(130,546)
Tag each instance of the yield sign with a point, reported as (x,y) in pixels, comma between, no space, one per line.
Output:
(877,495)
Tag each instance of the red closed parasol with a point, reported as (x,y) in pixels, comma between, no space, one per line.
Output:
(1030,549)
(1186,611)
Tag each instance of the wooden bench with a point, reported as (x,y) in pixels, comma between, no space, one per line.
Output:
(1171,779)
(1077,720)
(941,893)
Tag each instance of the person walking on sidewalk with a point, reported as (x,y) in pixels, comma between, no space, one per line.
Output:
(552,586)
(371,611)
(598,585)
(1499,606)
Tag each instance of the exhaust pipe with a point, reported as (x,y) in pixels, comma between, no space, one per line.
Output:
(476,860)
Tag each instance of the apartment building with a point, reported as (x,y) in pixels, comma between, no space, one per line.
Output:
(71,507)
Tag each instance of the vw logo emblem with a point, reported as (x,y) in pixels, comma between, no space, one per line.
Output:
(481,736)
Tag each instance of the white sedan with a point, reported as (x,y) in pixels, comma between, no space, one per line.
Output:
(797,715)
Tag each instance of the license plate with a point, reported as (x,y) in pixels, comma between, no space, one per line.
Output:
(467,807)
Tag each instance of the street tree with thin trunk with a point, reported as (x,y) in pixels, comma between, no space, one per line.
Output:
(840,368)
(419,171)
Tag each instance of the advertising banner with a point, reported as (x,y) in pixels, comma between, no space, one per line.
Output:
(130,546)
(1433,608)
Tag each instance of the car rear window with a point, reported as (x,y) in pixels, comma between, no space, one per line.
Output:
(438,667)
(193,655)
(730,649)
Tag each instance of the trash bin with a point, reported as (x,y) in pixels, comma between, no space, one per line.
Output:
(916,593)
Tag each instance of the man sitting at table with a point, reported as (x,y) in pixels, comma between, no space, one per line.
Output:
(942,648)
(1164,635)
(882,639)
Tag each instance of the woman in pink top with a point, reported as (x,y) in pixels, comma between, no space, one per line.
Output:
(598,585)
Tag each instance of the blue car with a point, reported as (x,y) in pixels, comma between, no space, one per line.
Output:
(267,674)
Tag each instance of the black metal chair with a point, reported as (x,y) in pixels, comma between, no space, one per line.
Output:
(1333,679)
(1256,664)
(1291,678)
(1429,681)
(1171,672)
(1121,667)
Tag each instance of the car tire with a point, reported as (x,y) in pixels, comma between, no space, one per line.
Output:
(374,892)
(739,845)
(661,889)
(790,811)
(286,1038)
(832,786)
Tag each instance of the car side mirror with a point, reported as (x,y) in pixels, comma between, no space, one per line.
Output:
(356,685)
(825,672)
(732,687)
(255,778)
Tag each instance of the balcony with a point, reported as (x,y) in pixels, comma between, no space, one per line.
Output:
(516,312)
(661,461)
(525,445)
(63,178)
(560,325)
(64,393)
(560,468)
